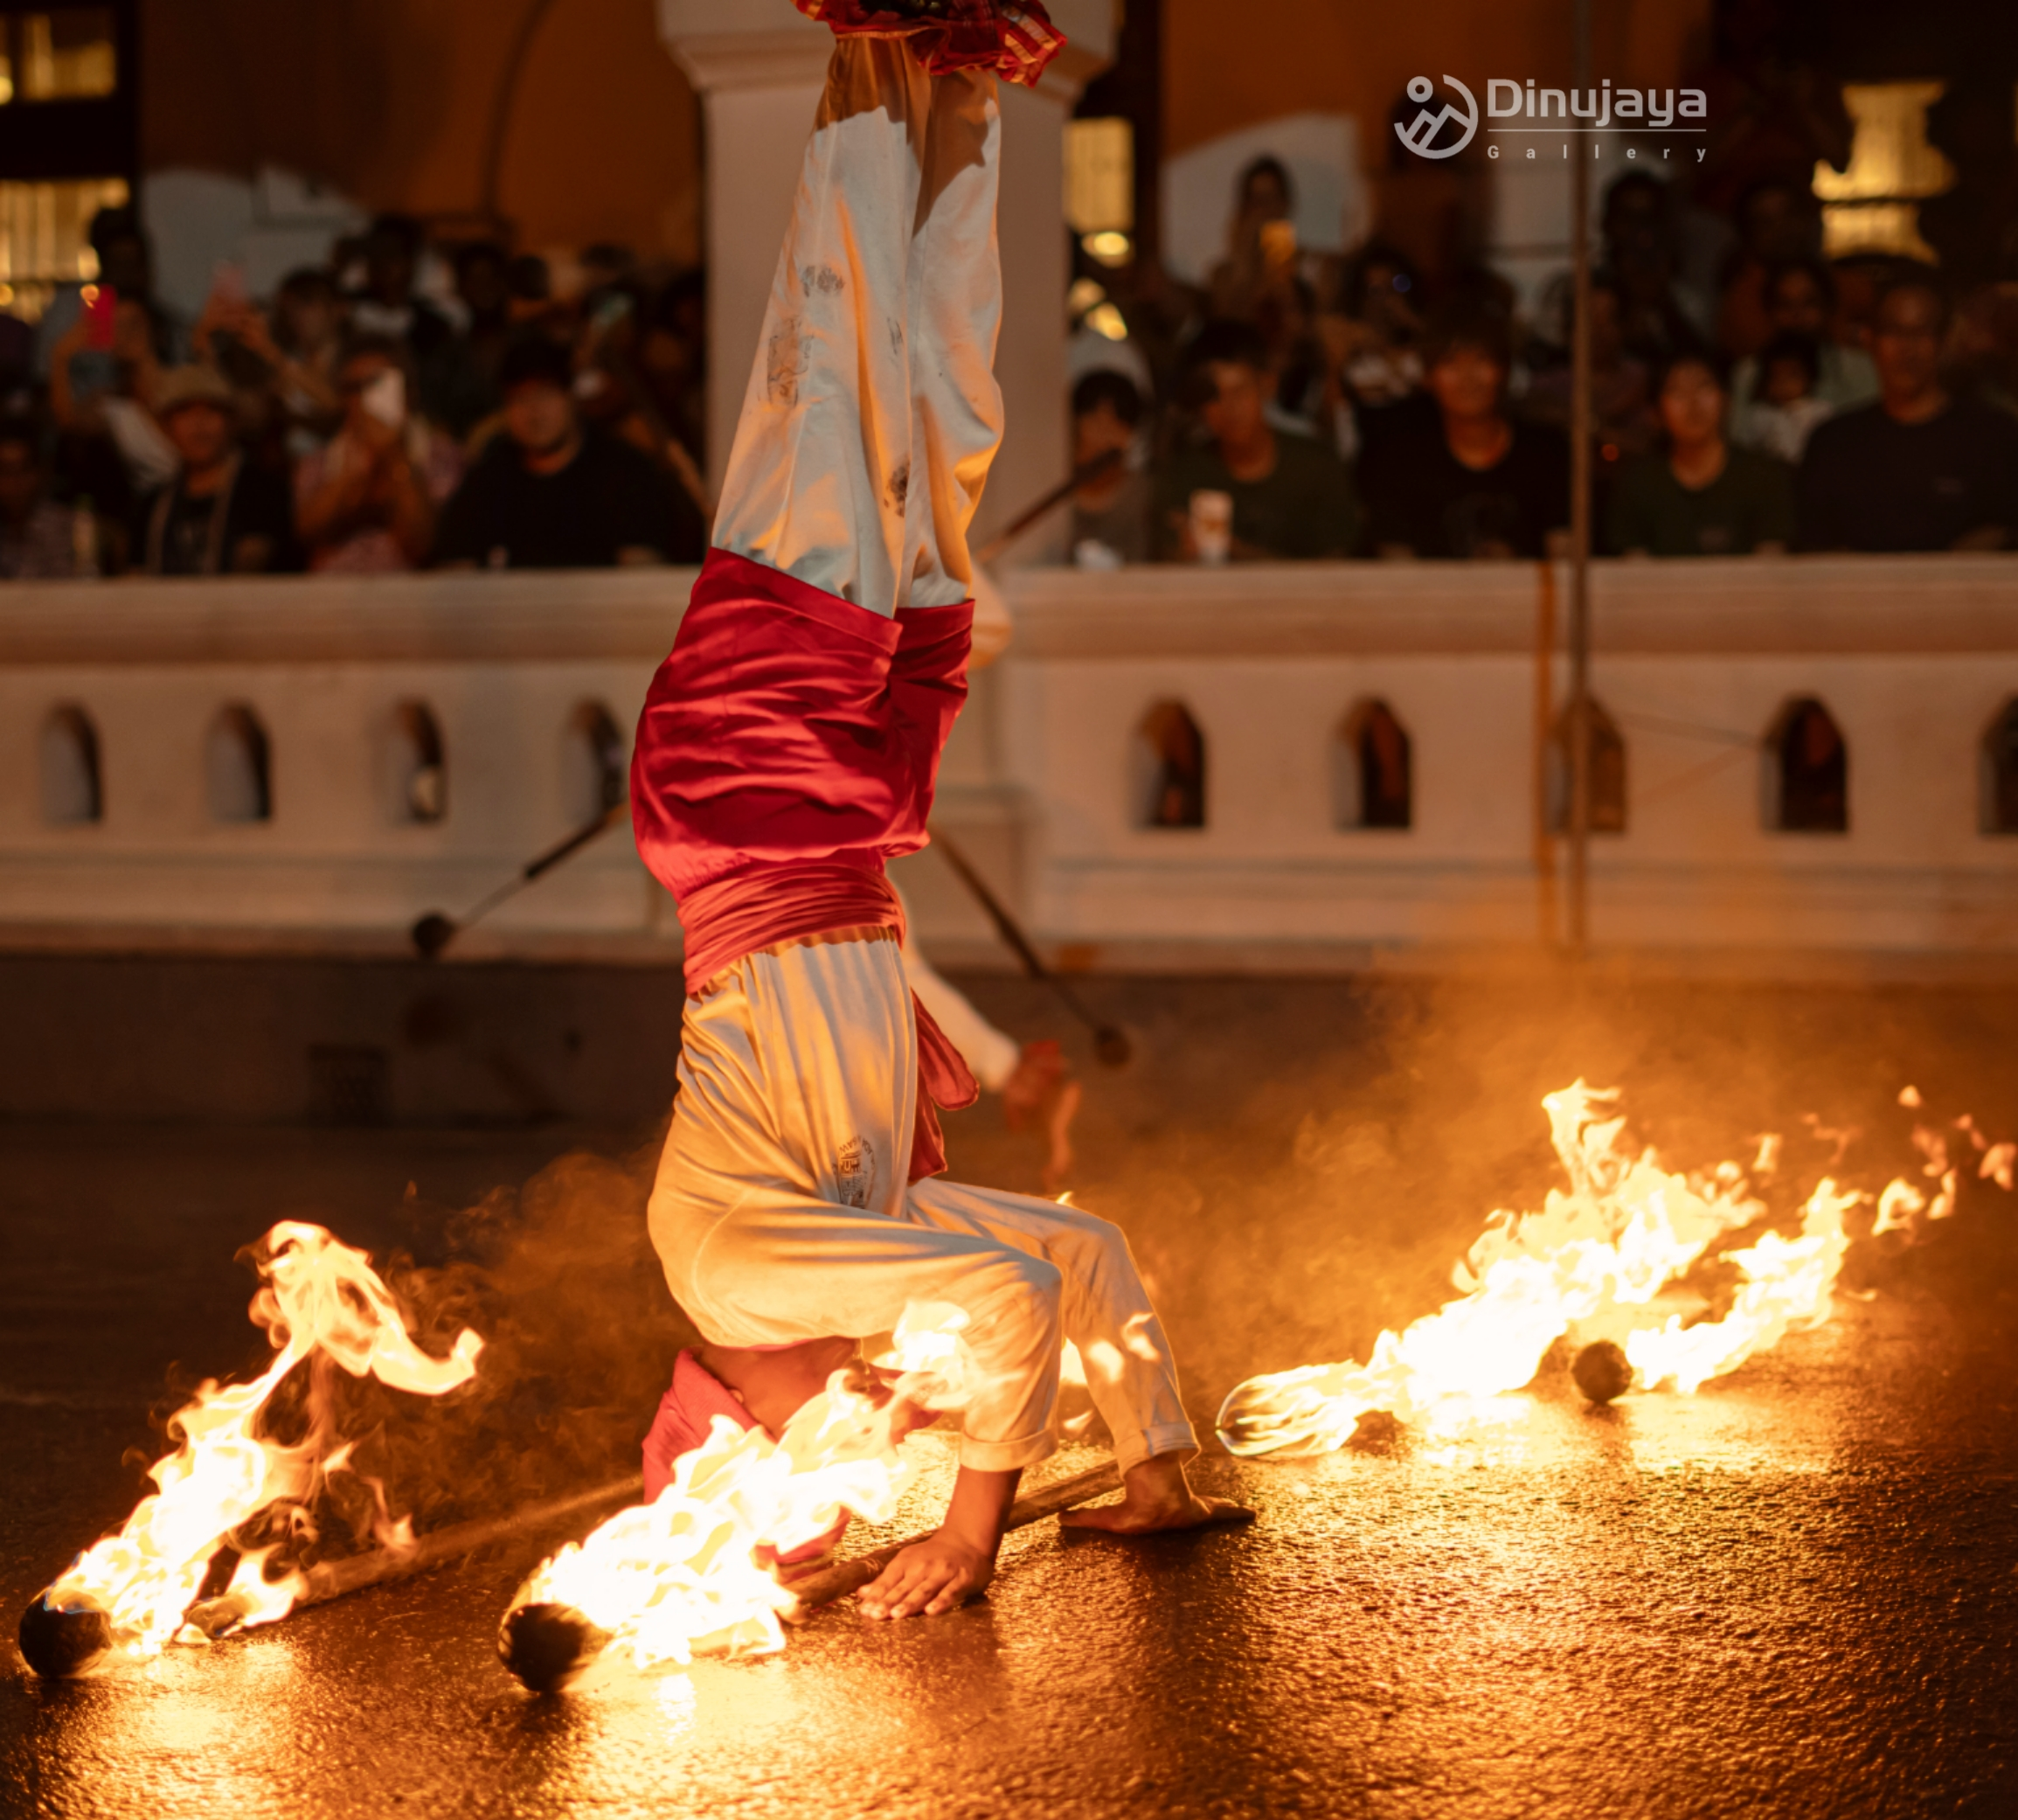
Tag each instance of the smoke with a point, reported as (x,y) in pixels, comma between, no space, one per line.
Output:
(1299,1163)
(559,1279)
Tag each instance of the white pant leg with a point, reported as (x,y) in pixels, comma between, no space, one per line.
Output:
(872,413)
(992,1054)
(1105,1311)
(778,1213)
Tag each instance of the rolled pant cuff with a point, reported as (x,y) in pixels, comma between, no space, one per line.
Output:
(1007,1455)
(1153,1443)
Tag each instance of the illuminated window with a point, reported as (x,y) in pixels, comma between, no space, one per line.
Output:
(70,55)
(44,229)
(1874,206)
(1100,175)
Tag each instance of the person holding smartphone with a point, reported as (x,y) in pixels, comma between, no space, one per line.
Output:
(221,514)
(366,502)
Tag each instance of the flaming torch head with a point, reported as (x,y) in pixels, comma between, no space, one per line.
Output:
(1602,1371)
(548,1646)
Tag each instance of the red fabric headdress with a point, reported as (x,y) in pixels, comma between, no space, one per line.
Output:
(1015,39)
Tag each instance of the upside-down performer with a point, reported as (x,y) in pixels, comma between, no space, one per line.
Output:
(788,748)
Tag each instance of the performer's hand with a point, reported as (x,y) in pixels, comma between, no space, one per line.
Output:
(1040,1071)
(930,1577)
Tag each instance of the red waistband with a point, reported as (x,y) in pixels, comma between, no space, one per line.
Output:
(760,906)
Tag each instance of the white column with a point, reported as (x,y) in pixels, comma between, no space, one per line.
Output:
(759,67)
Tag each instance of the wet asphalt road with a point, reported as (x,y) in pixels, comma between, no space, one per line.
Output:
(1795,1594)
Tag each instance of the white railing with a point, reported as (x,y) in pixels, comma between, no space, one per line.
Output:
(314,762)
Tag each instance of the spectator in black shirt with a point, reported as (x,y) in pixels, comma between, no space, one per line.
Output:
(1702,497)
(221,514)
(1475,485)
(1289,494)
(550,493)
(1917,470)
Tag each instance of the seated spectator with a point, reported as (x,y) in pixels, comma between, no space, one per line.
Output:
(1917,470)
(38,537)
(1702,497)
(1475,484)
(221,514)
(1779,224)
(366,501)
(1291,495)
(1375,347)
(1622,410)
(103,375)
(1658,316)
(448,387)
(1782,410)
(1261,250)
(306,338)
(1800,298)
(126,269)
(1110,511)
(549,493)
(1382,328)
(387,304)
(1981,356)
(673,359)
(483,283)
(17,353)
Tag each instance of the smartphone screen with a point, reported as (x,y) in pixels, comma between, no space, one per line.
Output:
(100,308)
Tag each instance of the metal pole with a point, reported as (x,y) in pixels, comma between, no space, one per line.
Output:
(1579,704)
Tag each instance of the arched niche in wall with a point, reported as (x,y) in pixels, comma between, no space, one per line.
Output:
(1807,771)
(596,763)
(418,768)
(1372,769)
(2000,771)
(238,766)
(1169,782)
(71,781)
(1607,814)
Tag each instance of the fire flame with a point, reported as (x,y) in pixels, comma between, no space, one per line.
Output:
(316,1295)
(688,1573)
(1592,1261)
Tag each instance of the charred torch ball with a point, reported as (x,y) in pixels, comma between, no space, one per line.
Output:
(547,1647)
(431,934)
(61,1644)
(1601,1370)
(1375,1431)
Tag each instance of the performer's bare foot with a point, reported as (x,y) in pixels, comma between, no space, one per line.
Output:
(1156,1495)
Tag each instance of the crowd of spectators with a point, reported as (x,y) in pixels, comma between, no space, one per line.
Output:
(409,404)
(405,406)
(1291,407)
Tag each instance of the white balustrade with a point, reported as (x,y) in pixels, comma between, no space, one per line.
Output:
(1346,755)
